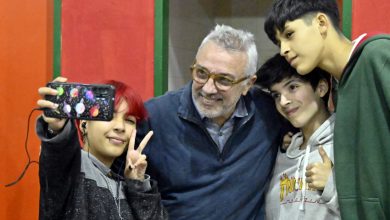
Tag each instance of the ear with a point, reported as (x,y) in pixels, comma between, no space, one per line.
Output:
(323,23)
(322,88)
(83,126)
(251,81)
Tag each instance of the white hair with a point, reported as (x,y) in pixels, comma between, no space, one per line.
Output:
(235,40)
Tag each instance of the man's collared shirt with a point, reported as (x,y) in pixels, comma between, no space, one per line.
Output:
(221,134)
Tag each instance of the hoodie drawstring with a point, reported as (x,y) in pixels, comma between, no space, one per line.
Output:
(296,176)
(305,163)
(305,159)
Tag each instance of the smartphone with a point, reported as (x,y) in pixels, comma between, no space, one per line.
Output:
(82,101)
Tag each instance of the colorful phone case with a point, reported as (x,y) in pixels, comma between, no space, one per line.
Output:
(82,101)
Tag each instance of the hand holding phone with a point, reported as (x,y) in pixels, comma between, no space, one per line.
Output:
(54,124)
(81,101)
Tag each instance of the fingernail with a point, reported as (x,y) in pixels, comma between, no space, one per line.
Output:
(55,105)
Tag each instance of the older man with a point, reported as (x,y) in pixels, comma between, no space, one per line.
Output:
(215,139)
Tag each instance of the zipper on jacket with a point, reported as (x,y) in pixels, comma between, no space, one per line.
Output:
(227,144)
(219,153)
(207,134)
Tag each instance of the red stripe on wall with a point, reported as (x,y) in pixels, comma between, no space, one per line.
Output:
(370,16)
(109,39)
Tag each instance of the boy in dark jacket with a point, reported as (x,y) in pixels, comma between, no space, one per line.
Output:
(77,183)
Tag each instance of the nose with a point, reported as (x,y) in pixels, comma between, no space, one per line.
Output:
(284,100)
(284,48)
(118,124)
(209,87)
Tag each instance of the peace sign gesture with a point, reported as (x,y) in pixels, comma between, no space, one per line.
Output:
(136,161)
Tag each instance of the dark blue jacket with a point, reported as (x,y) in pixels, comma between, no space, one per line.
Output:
(196,181)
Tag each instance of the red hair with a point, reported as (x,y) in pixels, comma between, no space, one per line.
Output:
(123,92)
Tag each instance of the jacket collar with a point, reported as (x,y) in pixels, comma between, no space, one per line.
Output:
(356,54)
(100,166)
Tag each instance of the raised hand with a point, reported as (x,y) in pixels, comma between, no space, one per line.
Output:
(136,161)
(317,174)
(55,124)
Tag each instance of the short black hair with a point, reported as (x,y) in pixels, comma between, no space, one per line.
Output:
(276,69)
(290,10)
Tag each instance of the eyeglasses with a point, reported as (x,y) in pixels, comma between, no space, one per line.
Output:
(221,81)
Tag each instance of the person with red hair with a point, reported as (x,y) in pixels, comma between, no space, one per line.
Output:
(77,182)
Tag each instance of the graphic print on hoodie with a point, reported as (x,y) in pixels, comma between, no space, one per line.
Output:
(289,196)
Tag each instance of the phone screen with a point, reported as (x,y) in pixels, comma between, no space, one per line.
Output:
(82,101)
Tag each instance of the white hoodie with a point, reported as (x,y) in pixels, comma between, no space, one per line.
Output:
(290,199)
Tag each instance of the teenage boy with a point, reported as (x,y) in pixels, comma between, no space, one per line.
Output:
(78,182)
(302,185)
(308,36)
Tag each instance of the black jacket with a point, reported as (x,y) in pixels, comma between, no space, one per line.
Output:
(75,185)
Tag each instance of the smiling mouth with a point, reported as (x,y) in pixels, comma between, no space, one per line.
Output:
(116,141)
(291,60)
(209,101)
(291,111)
